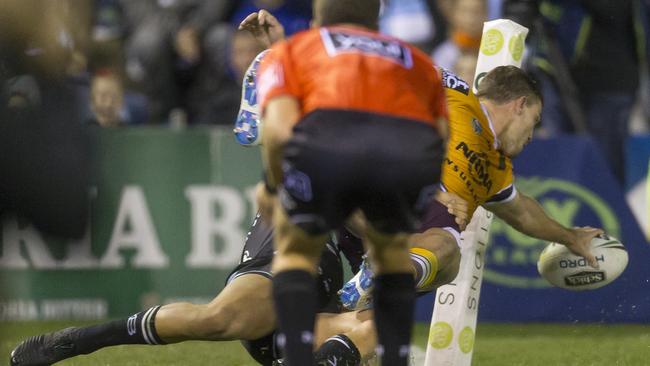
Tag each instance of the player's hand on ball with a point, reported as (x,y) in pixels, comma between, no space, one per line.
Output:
(264,27)
(455,206)
(265,201)
(582,241)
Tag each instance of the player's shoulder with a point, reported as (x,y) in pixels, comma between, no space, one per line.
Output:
(459,93)
(454,84)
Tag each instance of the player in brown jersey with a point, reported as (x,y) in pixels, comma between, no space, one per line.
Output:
(486,131)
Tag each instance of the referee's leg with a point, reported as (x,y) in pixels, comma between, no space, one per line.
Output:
(394,295)
(294,287)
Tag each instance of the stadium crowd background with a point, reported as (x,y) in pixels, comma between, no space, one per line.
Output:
(179,63)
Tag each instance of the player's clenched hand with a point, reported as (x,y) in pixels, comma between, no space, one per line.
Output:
(580,245)
(264,27)
(455,206)
(265,201)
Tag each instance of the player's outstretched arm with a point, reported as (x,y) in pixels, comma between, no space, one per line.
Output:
(264,27)
(525,214)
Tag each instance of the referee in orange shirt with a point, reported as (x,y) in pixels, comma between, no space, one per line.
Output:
(352,120)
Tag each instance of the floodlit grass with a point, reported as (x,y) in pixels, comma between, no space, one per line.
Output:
(496,345)
(570,345)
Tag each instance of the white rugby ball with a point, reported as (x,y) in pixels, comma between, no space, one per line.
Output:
(564,269)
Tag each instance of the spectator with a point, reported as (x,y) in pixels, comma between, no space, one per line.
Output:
(214,90)
(167,49)
(602,45)
(111,105)
(21,92)
(107,30)
(42,142)
(494,8)
(465,66)
(418,22)
(242,52)
(466,18)
(107,100)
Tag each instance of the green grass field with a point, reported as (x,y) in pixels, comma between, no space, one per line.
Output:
(496,345)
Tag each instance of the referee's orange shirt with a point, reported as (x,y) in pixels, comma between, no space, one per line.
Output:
(352,68)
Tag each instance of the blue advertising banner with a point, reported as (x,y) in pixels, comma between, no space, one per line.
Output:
(637,184)
(637,156)
(571,180)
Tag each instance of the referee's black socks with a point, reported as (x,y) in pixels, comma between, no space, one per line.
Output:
(295,297)
(394,302)
(137,329)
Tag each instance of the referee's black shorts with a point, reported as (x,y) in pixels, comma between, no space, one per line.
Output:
(340,160)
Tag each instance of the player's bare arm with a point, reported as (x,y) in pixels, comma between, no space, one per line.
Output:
(525,214)
(264,27)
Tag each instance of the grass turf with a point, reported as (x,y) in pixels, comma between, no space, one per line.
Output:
(496,345)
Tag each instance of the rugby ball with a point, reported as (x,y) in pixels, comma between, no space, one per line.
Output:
(564,269)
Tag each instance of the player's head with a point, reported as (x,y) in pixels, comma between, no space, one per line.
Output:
(517,102)
(359,12)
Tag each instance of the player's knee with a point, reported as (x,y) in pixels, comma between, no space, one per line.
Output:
(449,267)
(449,252)
(445,247)
(452,265)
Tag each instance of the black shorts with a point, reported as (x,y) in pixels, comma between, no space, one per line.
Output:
(436,215)
(337,161)
(256,259)
(257,253)
(257,256)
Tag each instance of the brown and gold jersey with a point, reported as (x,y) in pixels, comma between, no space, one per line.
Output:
(474,168)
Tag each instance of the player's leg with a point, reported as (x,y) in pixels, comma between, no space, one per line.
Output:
(243,310)
(221,319)
(435,259)
(436,248)
(404,182)
(294,287)
(345,339)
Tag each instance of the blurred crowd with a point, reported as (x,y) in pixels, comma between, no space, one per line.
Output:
(181,62)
